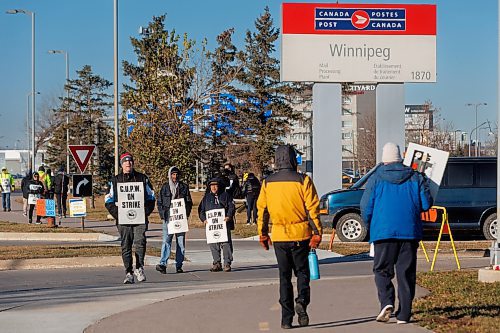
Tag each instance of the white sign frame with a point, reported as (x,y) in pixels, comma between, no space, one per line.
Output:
(177,219)
(131,203)
(430,161)
(216,228)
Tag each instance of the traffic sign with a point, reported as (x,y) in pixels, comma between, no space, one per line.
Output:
(81,155)
(82,185)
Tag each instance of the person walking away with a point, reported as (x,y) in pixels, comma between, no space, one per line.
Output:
(61,184)
(251,189)
(233,187)
(25,189)
(6,186)
(35,192)
(172,189)
(290,201)
(391,205)
(130,200)
(217,198)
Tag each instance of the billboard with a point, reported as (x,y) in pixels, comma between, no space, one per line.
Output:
(358,43)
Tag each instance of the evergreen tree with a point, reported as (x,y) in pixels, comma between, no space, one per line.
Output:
(266,114)
(161,100)
(87,104)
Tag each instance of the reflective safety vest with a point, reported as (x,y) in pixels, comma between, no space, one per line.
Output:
(6,182)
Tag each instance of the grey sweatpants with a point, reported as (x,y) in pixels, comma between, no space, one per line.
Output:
(227,250)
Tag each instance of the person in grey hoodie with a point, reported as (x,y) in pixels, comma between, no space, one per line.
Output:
(172,189)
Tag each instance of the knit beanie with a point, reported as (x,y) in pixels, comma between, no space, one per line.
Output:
(126,157)
(390,153)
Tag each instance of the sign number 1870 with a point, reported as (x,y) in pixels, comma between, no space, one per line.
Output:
(421,75)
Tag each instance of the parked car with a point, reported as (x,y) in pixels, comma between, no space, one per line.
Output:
(467,191)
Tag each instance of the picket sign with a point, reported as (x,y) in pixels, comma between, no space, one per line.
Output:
(216,228)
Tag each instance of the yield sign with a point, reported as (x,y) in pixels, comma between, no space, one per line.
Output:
(81,154)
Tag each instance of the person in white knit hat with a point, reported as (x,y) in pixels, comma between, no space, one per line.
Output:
(395,196)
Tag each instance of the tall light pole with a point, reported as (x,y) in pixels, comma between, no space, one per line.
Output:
(28,124)
(472,131)
(33,94)
(66,57)
(115,79)
(476,106)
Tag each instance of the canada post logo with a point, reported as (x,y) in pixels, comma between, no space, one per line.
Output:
(378,19)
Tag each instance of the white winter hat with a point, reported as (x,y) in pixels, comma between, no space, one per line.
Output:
(390,153)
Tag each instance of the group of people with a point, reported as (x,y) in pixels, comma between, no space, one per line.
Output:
(391,205)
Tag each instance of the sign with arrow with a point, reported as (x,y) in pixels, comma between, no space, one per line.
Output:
(82,185)
(81,155)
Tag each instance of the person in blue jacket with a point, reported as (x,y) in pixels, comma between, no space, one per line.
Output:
(391,205)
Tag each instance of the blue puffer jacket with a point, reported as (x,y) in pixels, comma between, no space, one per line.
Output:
(395,196)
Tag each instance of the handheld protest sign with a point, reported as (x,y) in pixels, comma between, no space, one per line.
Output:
(216,228)
(131,203)
(46,207)
(177,219)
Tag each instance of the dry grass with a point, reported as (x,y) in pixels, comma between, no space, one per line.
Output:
(23,227)
(458,303)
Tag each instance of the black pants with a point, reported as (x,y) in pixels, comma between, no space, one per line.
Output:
(133,235)
(292,257)
(30,214)
(61,203)
(251,207)
(403,255)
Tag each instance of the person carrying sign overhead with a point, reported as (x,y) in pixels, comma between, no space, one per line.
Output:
(130,200)
(217,198)
(394,197)
(171,190)
(290,201)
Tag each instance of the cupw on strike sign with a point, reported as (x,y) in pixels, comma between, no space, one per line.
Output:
(81,154)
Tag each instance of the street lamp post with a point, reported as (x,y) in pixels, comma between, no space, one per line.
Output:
(66,57)
(476,106)
(33,94)
(28,124)
(470,137)
(115,79)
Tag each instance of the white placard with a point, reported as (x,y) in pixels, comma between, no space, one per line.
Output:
(216,228)
(177,220)
(6,185)
(131,203)
(32,198)
(358,58)
(427,160)
(77,207)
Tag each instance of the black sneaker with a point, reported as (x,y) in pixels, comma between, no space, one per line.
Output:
(5,209)
(9,209)
(161,268)
(179,270)
(302,313)
(286,326)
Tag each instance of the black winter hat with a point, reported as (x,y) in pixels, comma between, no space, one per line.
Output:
(41,168)
(175,170)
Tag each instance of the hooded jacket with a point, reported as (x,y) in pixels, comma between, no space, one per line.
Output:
(394,197)
(165,197)
(61,182)
(25,182)
(221,199)
(289,200)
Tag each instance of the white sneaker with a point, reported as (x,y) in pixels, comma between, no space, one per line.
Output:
(129,279)
(402,322)
(385,313)
(139,274)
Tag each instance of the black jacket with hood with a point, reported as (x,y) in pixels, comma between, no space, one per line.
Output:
(165,197)
(221,199)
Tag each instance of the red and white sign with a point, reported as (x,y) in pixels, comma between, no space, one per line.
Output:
(81,155)
(358,42)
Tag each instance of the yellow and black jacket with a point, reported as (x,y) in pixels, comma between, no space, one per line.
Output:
(289,200)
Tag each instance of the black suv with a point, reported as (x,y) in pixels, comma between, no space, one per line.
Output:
(468,191)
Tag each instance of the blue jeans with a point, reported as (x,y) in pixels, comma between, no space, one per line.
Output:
(166,247)
(6,200)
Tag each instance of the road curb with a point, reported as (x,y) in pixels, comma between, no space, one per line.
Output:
(63,237)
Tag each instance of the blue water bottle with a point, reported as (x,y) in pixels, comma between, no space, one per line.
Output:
(313,265)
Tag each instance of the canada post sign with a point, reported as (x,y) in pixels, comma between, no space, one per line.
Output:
(358,42)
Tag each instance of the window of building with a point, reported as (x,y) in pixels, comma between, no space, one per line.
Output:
(347,124)
(347,135)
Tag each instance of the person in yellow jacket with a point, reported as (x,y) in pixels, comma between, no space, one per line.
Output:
(6,187)
(45,179)
(290,201)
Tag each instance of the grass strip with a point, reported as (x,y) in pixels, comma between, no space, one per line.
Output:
(24,227)
(458,302)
